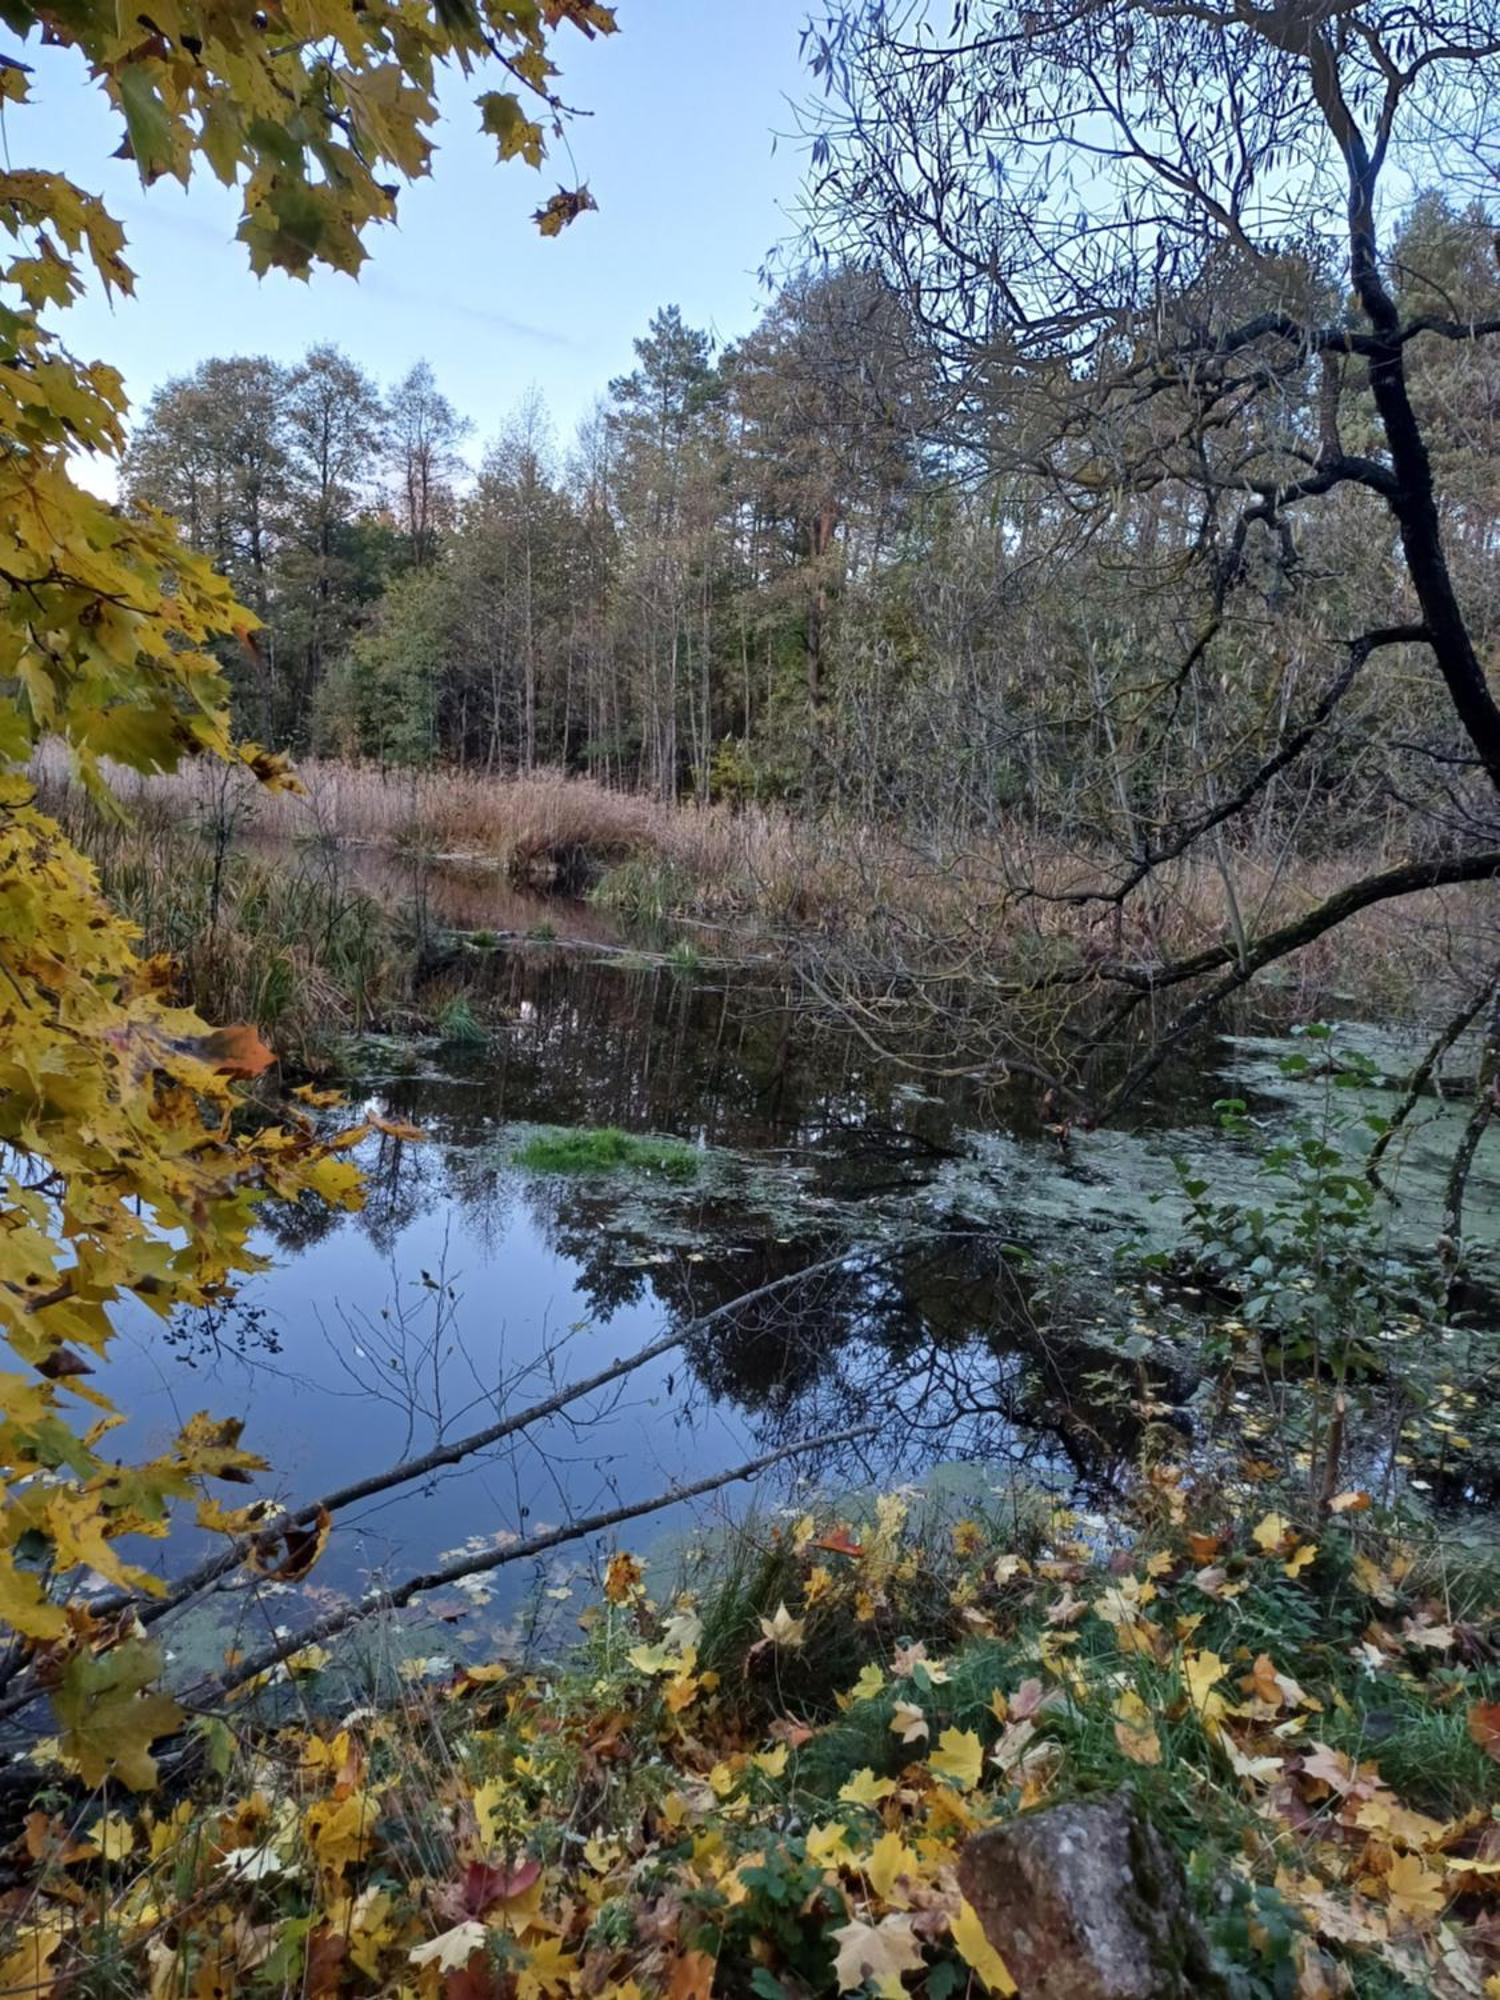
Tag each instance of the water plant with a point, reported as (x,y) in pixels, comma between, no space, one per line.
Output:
(594,1149)
(1317,1303)
(457,1022)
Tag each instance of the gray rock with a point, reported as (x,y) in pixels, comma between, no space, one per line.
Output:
(1086,1902)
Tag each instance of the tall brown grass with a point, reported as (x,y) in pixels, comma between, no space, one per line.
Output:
(987,909)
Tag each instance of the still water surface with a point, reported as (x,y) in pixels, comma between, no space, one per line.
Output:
(975,1251)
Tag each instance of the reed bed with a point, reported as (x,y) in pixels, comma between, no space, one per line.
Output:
(880,903)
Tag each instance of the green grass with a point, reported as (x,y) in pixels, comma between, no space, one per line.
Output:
(457,1022)
(596,1149)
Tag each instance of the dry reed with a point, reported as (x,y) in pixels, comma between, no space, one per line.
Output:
(865,893)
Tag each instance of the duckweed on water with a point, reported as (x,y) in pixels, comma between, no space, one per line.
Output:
(594,1149)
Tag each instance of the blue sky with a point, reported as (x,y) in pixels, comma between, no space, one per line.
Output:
(679,152)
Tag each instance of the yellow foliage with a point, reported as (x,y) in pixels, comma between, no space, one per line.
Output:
(110,1718)
(343,1831)
(978,1953)
(865,1789)
(959,1757)
(128,1175)
(1134,1731)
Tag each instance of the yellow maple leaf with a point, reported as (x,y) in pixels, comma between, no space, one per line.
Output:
(548,1969)
(25,1970)
(871,1680)
(968,1538)
(111,1837)
(308,1660)
(1202,1672)
(828,1845)
(819,1583)
(1270,1532)
(371,1928)
(340,1831)
(487,1801)
(110,1718)
(974,1948)
(1134,1731)
(1373,1580)
(681,1692)
(662,1660)
(865,1789)
(888,1861)
(1414,1890)
(959,1757)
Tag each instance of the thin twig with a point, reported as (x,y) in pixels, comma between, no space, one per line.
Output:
(335,1622)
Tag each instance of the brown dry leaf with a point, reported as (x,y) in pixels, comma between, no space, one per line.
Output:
(299,1546)
(840,1543)
(237,1051)
(1415,1891)
(1028,1700)
(1334,1769)
(565,206)
(877,1952)
(1134,1731)
(1484,1727)
(622,1577)
(692,1977)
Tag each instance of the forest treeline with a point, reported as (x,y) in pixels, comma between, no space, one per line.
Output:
(809,566)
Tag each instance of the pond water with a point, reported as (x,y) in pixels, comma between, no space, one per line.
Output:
(962,1258)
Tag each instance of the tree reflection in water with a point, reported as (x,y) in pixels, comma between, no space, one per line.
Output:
(950,1337)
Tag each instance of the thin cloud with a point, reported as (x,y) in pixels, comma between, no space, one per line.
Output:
(372,280)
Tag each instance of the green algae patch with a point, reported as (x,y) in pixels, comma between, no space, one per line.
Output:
(600,1149)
